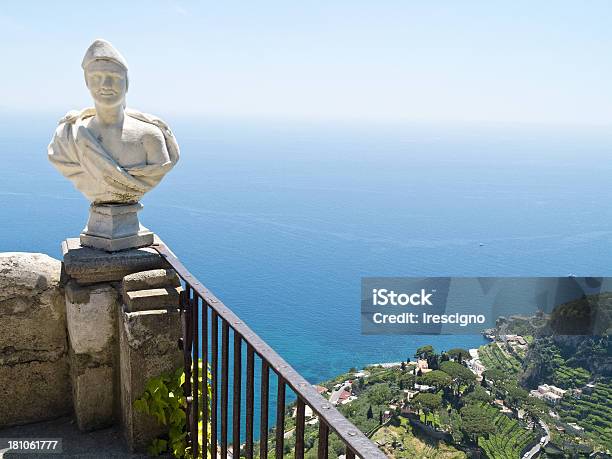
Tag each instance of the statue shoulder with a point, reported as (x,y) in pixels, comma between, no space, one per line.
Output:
(151,120)
(155,126)
(75,115)
(143,128)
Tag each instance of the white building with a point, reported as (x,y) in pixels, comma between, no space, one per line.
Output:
(423,387)
(549,393)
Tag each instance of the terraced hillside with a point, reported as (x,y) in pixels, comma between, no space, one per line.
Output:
(509,440)
(568,377)
(592,412)
(493,358)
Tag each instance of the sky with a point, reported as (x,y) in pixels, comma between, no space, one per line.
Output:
(544,62)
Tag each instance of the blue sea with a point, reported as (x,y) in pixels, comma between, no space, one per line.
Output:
(281,219)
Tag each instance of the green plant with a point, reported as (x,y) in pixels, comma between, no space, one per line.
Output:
(163,398)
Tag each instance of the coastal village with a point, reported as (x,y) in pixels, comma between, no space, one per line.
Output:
(474,403)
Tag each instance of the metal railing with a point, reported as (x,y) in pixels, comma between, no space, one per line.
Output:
(207,325)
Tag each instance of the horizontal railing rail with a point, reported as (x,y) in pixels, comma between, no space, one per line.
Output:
(208,324)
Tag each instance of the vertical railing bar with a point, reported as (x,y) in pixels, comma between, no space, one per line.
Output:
(280,417)
(263,425)
(187,349)
(205,401)
(349,453)
(250,382)
(196,373)
(237,392)
(323,439)
(299,428)
(214,329)
(224,385)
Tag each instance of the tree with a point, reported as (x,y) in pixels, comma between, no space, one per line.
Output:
(380,394)
(476,422)
(477,395)
(424,351)
(458,354)
(428,403)
(437,379)
(494,375)
(461,375)
(433,361)
(403,366)
(370,414)
(380,416)
(516,396)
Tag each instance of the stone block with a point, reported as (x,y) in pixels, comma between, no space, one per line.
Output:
(86,265)
(34,374)
(32,311)
(152,299)
(92,393)
(91,313)
(148,347)
(34,391)
(155,278)
(91,317)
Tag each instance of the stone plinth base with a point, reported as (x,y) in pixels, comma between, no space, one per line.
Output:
(86,265)
(114,227)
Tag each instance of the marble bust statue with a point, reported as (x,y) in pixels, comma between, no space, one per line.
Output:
(112,154)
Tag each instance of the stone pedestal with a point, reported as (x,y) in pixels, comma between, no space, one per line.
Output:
(114,227)
(123,329)
(86,265)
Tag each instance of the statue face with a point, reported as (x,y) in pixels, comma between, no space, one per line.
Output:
(107,82)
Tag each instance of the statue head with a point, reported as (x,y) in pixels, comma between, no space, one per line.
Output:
(105,74)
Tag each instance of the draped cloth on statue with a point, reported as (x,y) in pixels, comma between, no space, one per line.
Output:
(76,153)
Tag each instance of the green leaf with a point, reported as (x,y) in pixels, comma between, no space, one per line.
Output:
(141,405)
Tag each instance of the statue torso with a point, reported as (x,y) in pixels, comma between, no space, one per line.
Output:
(127,144)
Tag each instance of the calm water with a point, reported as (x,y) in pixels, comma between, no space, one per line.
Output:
(282,220)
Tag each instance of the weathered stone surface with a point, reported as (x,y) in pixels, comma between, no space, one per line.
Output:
(147,300)
(87,265)
(34,375)
(92,392)
(91,313)
(34,391)
(91,317)
(114,227)
(32,314)
(154,278)
(148,348)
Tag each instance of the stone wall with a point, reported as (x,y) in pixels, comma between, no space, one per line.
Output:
(87,345)
(34,368)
